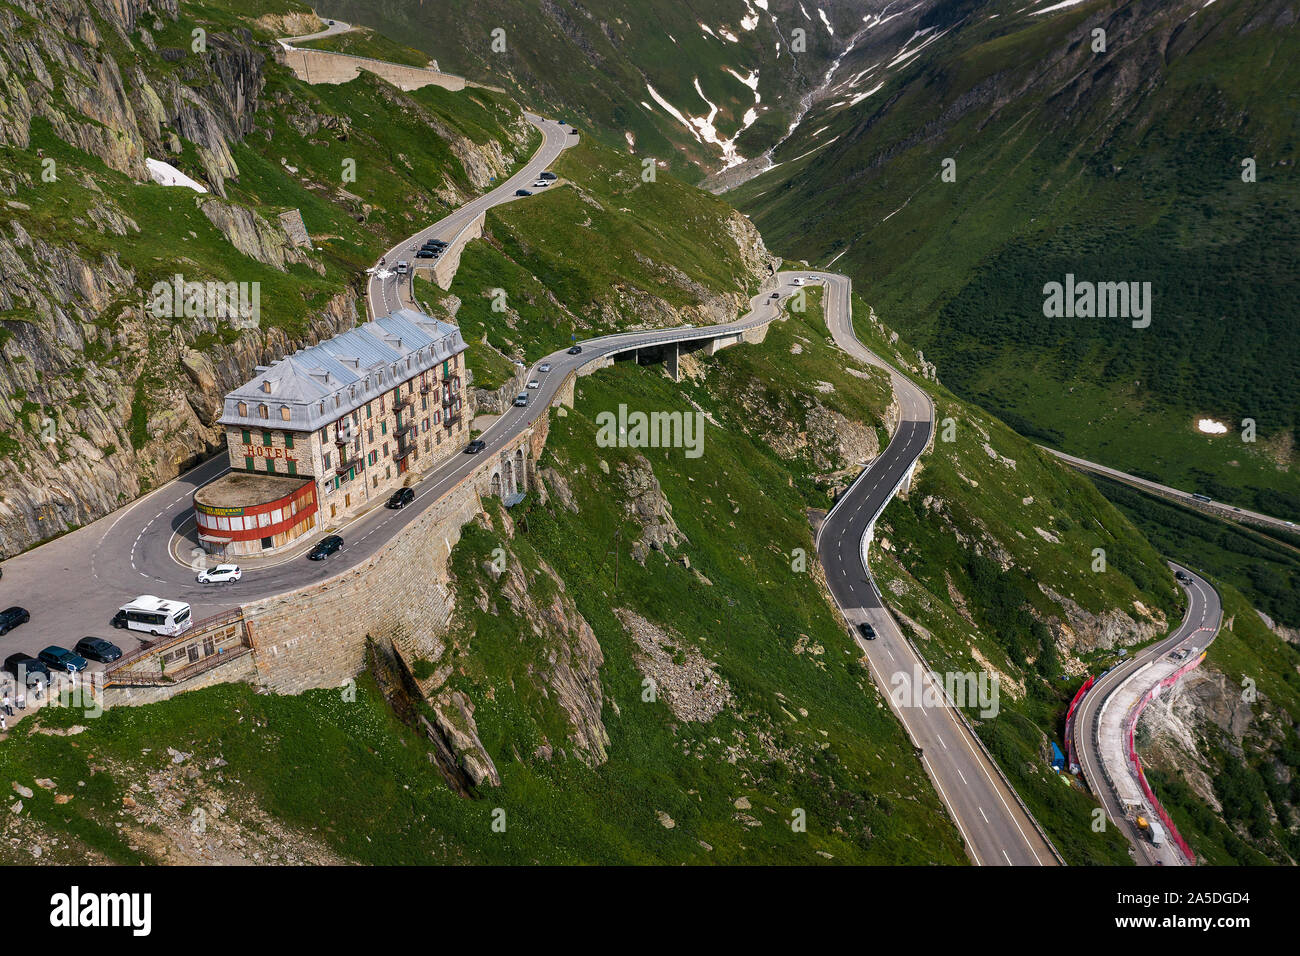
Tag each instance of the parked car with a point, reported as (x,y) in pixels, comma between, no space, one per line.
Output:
(325,547)
(548,175)
(61,659)
(221,574)
(11,617)
(576,350)
(476,446)
(540,184)
(400,498)
(867,631)
(796,281)
(27,668)
(119,619)
(98,649)
(544,367)
(426,254)
(522,192)
(534,384)
(521,400)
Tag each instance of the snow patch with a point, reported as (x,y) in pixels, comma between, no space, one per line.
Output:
(165,174)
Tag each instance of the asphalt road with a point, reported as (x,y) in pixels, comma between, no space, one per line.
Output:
(388,291)
(996,830)
(1198,628)
(1217,508)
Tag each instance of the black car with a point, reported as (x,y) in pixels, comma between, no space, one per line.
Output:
(119,619)
(27,668)
(325,548)
(62,659)
(426,254)
(775,295)
(11,617)
(576,350)
(400,498)
(476,446)
(547,176)
(522,192)
(867,631)
(98,649)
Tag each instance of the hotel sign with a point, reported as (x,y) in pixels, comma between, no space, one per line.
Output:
(268,451)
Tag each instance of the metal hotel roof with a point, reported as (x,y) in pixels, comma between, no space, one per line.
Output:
(343,372)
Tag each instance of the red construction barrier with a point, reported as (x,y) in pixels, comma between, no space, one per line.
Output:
(1069,723)
(1137,764)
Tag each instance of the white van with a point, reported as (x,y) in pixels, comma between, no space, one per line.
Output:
(153,615)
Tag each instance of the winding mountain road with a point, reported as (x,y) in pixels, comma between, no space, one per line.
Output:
(1099,740)
(996,828)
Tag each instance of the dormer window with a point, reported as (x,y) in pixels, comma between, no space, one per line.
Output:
(263,411)
(284,413)
(266,387)
(243,409)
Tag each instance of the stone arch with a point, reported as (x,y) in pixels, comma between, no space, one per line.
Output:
(507,476)
(521,473)
(495,484)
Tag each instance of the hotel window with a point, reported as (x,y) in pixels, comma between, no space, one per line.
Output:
(243,409)
(284,413)
(263,411)
(369,412)
(288,439)
(248,439)
(266,439)
(327,459)
(383,428)
(293,468)
(248,462)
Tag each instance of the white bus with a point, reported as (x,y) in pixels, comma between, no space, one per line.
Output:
(154,615)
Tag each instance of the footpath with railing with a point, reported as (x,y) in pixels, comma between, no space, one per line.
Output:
(204,645)
(1135,762)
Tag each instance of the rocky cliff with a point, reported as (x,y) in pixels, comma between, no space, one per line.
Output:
(102,393)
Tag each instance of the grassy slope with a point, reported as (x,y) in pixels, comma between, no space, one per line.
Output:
(592,62)
(363,42)
(1141,186)
(583,257)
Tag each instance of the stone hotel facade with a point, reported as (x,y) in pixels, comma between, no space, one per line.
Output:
(329,431)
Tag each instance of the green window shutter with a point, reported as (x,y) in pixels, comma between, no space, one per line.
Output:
(369,412)
(248,439)
(293,468)
(248,462)
(383,428)
(266,438)
(288,439)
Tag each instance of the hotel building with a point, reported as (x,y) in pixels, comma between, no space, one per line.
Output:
(333,429)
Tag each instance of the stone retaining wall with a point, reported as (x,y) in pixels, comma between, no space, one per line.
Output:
(325,66)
